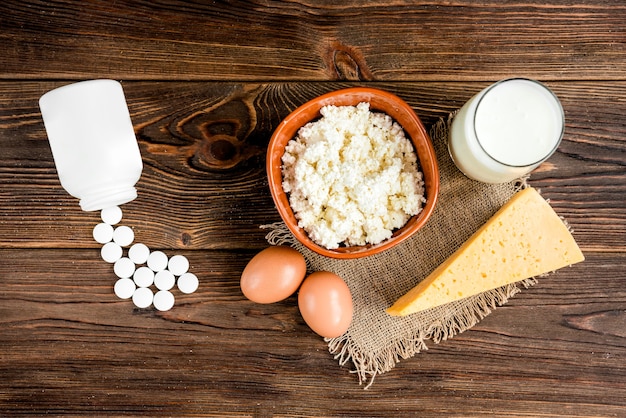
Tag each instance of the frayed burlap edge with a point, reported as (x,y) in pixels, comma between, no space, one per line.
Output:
(367,365)
(440,324)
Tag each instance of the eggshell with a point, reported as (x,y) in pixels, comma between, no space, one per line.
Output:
(273,274)
(325,303)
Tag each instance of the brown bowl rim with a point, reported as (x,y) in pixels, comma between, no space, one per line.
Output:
(310,111)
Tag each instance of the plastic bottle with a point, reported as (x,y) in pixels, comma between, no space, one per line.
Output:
(93,142)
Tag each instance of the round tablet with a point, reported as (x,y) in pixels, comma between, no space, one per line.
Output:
(111,252)
(163,300)
(164,280)
(188,283)
(124,288)
(124,268)
(111,215)
(139,253)
(123,236)
(157,261)
(103,233)
(178,265)
(142,297)
(143,277)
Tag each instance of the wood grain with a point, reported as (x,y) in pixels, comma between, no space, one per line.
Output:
(204,184)
(324,40)
(68,343)
(207,83)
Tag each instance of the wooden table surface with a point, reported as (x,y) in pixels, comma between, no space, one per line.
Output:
(207,82)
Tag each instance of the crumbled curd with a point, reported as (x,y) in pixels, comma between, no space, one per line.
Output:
(352,177)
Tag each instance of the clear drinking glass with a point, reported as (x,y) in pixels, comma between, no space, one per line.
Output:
(506,130)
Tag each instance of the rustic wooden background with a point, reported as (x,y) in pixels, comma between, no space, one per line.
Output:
(207,82)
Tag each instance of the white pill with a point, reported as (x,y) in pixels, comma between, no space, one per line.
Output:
(142,297)
(163,300)
(188,283)
(143,277)
(103,233)
(139,253)
(178,265)
(157,261)
(111,215)
(123,236)
(124,268)
(111,252)
(164,280)
(124,288)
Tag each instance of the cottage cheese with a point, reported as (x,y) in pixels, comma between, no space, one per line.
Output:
(352,177)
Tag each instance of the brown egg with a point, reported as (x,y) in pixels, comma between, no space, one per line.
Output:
(325,304)
(273,274)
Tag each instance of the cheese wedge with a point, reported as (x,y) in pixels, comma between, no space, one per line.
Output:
(525,238)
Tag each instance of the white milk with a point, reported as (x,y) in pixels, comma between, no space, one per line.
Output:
(506,130)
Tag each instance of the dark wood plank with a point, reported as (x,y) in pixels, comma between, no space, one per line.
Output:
(327,40)
(203,144)
(207,83)
(70,346)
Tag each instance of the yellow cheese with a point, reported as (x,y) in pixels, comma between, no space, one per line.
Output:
(525,238)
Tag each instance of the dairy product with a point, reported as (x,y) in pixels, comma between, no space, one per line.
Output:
(506,131)
(525,238)
(352,177)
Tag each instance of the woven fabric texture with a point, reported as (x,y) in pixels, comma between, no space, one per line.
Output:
(376,341)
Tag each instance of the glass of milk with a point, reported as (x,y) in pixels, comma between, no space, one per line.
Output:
(506,130)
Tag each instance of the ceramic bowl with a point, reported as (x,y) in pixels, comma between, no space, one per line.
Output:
(381,101)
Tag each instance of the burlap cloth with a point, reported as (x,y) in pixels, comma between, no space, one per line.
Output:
(376,341)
